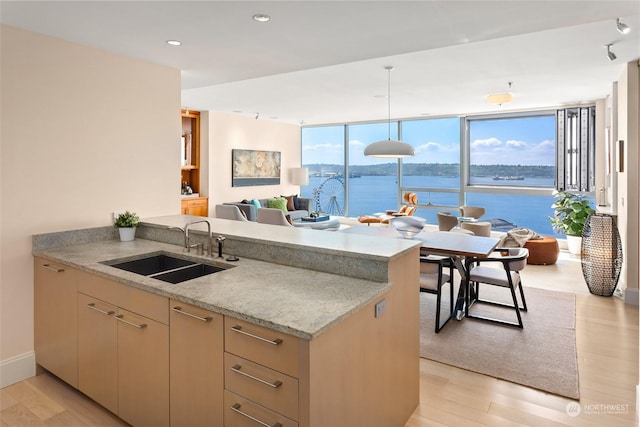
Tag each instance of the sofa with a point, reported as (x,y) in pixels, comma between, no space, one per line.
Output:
(304,207)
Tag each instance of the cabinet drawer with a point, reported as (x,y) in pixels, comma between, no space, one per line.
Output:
(153,306)
(262,385)
(262,345)
(190,203)
(240,412)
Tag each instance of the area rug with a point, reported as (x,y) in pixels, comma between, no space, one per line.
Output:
(542,355)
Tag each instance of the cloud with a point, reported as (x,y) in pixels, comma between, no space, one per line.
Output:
(485,143)
(512,143)
(429,147)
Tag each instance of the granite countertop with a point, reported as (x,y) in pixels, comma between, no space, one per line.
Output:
(297,301)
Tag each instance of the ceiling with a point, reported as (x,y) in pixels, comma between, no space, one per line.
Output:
(321,62)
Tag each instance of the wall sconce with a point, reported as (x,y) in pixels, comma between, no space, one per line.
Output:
(601,254)
(300,176)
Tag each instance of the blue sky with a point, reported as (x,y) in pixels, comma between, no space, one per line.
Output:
(525,141)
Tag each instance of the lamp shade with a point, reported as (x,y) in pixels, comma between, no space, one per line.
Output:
(500,98)
(389,148)
(300,176)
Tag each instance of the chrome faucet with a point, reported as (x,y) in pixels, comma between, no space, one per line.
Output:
(186,236)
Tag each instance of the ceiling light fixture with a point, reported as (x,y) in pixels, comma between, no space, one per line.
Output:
(389,148)
(622,28)
(612,56)
(500,98)
(174,42)
(261,17)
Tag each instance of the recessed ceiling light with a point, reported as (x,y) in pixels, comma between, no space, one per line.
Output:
(174,42)
(261,17)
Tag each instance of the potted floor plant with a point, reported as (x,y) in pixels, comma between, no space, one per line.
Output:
(126,224)
(570,215)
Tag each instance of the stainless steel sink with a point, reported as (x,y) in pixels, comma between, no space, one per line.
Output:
(166,268)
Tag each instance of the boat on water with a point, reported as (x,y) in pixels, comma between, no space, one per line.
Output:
(508,178)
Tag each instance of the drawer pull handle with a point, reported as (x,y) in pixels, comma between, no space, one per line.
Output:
(236,408)
(237,370)
(204,319)
(239,330)
(55,270)
(120,317)
(92,306)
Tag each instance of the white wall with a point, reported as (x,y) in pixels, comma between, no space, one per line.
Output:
(628,182)
(227,131)
(84,132)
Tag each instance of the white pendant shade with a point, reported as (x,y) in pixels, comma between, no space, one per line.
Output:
(389,148)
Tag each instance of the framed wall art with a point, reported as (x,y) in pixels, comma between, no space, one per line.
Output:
(255,167)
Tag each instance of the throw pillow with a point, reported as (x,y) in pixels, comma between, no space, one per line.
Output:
(256,203)
(278,203)
(290,204)
(295,202)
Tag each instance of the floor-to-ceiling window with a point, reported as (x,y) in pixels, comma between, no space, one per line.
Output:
(323,152)
(506,163)
(512,168)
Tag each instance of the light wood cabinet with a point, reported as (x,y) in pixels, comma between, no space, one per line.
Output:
(98,351)
(56,319)
(124,350)
(143,370)
(261,368)
(196,365)
(190,149)
(198,206)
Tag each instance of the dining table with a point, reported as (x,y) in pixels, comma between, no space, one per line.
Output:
(457,246)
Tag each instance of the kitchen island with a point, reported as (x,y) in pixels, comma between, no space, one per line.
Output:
(348,303)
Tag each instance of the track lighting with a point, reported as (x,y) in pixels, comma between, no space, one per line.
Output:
(612,56)
(622,28)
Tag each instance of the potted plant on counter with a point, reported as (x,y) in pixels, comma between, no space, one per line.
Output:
(571,213)
(126,224)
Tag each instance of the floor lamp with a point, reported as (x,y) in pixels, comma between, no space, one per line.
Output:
(601,254)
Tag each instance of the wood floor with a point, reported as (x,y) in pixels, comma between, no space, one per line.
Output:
(607,341)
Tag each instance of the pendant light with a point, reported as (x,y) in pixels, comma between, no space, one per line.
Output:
(389,148)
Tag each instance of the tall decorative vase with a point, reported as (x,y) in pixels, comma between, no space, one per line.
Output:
(601,254)
(127,234)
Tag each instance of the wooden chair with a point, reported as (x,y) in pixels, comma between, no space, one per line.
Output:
(272,216)
(230,212)
(433,278)
(513,261)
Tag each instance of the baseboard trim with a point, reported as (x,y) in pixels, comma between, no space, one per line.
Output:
(17,368)
(631,296)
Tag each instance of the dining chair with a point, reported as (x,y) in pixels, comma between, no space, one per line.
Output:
(432,278)
(479,228)
(472,211)
(446,221)
(513,261)
(230,212)
(272,216)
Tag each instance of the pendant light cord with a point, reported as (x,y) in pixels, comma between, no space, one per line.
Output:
(389,68)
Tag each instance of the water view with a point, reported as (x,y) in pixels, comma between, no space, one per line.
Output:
(371,194)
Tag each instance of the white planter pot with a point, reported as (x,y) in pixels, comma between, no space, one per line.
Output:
(127,234)
(574,244)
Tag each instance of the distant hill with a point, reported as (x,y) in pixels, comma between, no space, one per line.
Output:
(433,169)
